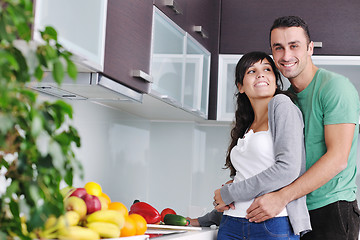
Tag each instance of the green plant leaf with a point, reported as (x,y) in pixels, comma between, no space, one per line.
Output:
(39,73)
(36,125)
(57,156)
(49,34)
(6,122)
(71,69)
(65,108)
(58,72)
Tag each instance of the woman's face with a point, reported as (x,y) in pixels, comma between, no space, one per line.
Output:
(259,81)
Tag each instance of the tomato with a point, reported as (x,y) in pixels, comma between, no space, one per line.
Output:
(166,211)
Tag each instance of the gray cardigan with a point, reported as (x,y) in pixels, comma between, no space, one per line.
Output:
(286,126)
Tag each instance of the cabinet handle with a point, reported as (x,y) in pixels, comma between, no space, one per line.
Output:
(317,44)
(201,31)
(174,6)
(143,75)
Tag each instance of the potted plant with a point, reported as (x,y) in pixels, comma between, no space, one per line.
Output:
(37,139)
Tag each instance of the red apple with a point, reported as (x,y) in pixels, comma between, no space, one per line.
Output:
(93,203)
(79,192)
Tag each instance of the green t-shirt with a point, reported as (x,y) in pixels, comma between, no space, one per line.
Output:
(329,99)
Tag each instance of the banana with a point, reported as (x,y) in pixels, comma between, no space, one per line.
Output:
(72,218)
(53,225)
(50,222)
(105,229)
(110,216)
(78,233)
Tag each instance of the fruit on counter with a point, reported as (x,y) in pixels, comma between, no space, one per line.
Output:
(151,215)
(105,229)
(55,225)
(104,203)
(66,191)
(104,195)
(129,228)
(177,220)
(93,203)
(78,233)
(93,188)
(76,204)
(140,223)
(118,206)
(166,211)
(79,192)
(110,216)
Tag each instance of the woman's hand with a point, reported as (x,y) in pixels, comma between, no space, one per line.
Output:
(219,204)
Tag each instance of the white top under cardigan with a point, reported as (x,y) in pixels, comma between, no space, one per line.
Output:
(253,154)
(286,126)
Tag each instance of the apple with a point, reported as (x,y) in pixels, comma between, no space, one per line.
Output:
(93,203)
(79,192)
(66,191)
(76,204)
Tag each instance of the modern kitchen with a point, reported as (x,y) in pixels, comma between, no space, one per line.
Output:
(154,98)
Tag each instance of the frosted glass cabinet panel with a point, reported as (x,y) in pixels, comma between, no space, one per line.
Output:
(226,104)
(80,24)
(196,82)
(180,67)
(167,66)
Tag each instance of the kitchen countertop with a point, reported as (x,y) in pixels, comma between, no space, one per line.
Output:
(206,233)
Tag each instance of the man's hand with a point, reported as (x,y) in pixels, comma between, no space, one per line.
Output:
(265,207)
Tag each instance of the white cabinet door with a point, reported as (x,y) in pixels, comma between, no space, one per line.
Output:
(180,67)
(167,63)
(196,81)
(81,27)
(226,102)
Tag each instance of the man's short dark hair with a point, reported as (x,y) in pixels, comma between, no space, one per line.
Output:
(290,21)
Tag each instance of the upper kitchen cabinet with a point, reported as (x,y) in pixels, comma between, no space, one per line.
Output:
(245,25)
(198,18)
(180,67)
(112,37)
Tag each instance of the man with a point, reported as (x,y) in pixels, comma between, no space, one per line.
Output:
(330,106)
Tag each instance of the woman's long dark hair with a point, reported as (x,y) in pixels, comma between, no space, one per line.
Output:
(244,115)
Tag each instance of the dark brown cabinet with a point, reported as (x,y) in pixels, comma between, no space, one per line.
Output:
(245,25)
(199,18)
(128,42)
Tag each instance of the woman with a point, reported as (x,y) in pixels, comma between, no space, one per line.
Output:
(266,153)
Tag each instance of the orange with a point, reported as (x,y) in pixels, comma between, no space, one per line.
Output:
(106,197)
(93,188)
(104,203)
(119,207)
(140,223)
(129,228)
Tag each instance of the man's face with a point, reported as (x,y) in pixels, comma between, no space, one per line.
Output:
(291,51)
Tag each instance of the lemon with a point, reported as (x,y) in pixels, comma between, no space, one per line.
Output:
(93,188)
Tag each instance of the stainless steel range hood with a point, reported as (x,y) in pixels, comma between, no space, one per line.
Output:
(88,86)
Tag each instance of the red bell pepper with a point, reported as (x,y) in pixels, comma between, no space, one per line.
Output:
(151,215)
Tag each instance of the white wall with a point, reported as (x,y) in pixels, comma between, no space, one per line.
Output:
(167,164)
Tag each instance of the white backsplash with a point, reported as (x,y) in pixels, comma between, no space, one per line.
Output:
(167,164)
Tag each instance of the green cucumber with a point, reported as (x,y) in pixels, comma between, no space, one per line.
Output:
(177,220)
